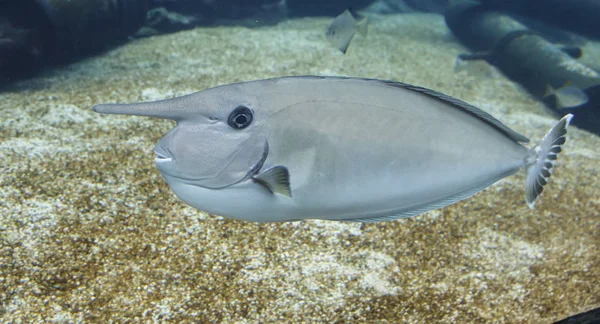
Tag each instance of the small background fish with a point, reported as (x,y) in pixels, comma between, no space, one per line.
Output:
(567,96)
(342,29)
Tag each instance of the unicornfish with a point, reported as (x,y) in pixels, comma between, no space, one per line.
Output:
(336,148)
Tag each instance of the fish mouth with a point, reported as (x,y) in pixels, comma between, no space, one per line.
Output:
(161,158)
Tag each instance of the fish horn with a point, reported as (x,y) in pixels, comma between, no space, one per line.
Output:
(175,109)
(545,155)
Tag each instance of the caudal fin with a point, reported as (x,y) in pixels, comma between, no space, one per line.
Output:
(545,154)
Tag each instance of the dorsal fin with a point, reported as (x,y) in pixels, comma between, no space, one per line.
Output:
(456,103)
(482,115)
(465,107)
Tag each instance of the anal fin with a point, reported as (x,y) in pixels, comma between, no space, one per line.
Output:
(422,208)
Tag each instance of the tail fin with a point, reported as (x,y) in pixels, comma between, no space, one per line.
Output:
(545,154)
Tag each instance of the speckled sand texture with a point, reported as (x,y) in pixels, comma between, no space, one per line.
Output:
(90,232)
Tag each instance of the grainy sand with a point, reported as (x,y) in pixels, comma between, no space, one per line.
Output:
(90,232)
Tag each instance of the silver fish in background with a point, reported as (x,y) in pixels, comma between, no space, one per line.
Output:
(567,96)
(335,148)
(342,29)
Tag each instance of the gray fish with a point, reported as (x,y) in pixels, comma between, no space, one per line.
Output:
(342,29)
(567,96)
(335,148)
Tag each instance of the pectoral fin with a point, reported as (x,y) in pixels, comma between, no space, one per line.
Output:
(276,179)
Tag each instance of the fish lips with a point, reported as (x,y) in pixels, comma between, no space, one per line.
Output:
(161,158)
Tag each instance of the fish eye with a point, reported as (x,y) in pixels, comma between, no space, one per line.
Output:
(240,117)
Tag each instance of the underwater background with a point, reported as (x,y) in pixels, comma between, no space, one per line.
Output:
(90,232)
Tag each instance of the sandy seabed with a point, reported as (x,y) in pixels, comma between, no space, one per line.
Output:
(90,232)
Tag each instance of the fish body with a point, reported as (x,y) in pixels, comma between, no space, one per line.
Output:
(335,148)
(342,29)
(567,96)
